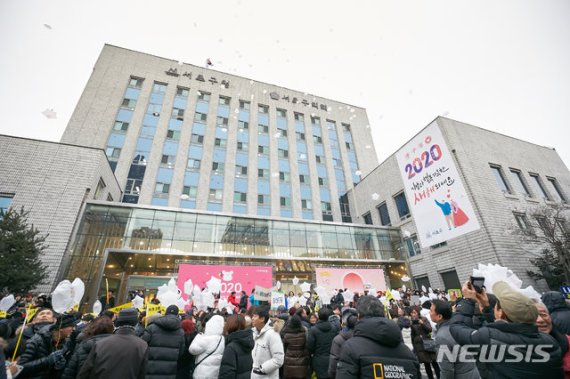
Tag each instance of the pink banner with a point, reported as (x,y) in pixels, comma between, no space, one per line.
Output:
(355,279)
(234,278)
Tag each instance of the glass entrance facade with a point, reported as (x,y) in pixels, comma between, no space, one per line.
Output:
(116,241)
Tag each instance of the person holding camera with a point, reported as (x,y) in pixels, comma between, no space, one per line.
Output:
(511,346)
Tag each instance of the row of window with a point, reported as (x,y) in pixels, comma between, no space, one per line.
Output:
(543,224)
(401,206)
(532,186)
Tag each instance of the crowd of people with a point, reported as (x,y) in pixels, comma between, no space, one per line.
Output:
(479,335)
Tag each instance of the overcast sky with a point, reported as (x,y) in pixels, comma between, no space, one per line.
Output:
(501,65)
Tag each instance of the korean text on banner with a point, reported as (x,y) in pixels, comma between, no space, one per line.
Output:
(434,192)
(277,299)
(262,294)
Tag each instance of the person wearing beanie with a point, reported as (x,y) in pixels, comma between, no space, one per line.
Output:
(122,355)
(166,342)
(536,355)
(45,355)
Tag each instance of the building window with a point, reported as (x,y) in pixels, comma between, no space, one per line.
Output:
(168,160)
(5,202)
(284,176)
(133,187)
(262,199)
(221,122)
(193,164)
(450,279)
(384,215)
(282,153)
(129,104)
(500,178)
(204,96)
(337,162)
(331,125)
(522,222)
(262,173)
(262,129)
(190,191)
(181,91)
(178,114)
(281,113)
(349,145)
(323,182)
(240,197)
(367,218)
(303,179)
(197,139)
(299,117)
(135,82)
(218,167)
(285,202)
(220,142)
(200,117)
(173,135)
(326,210)
(300,136)
(162,187)
(557,190)
(413,246)
(438,245)
(345,127)
(121,126)
(519,182)
(262,108)
(241,171)
(242,146)
(281,133)
(159,88)
(317,140)
(319,159)
(215,195)
(263,150)
(224,100)
(245,105)
(243,125)
(402,206)
(113,152)
(306,204)
(315,121)
(539,187)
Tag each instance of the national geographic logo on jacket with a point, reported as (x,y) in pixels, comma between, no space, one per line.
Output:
(383,371)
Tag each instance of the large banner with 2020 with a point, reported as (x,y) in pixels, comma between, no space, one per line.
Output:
(434,190)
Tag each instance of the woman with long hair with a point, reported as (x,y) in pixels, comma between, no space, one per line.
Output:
(237,361)
(421,329)
(186,361)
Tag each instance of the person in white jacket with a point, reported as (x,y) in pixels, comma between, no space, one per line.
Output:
(209,349)
(268,353)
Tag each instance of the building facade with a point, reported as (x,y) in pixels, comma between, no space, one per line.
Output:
(189,137)
(52,181)
(505,179)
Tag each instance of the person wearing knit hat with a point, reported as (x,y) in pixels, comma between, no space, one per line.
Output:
(122,355)
(511,346)
(166,342)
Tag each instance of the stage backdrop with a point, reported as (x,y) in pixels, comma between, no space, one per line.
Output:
(355,279)
(234,278)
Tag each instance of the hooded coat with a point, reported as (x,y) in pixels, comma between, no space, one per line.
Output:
(35,359)
(80,355)
(209,349)
(559,311)
(297,357)
(319,345)
(376,349)
(267,352)
(237,360)
(166,343)
(336,349)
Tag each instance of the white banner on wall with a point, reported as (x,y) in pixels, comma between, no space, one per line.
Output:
(434,190)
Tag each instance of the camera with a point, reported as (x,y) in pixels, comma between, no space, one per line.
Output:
(478,283)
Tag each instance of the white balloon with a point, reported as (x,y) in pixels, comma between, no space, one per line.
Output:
(138,302)
(78,289)
(62,297)
(278,285)
(305,287)
(424,288)
(214,285)
(188,286)
(97,307)
(404,287)
(295,281)
(7,302)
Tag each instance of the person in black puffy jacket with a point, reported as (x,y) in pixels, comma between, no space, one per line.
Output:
(559,311)
(166,343)
(95,331)
(46,351)
(297,358)
(237,360)
(320,342)
(339,341)
(376,349)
